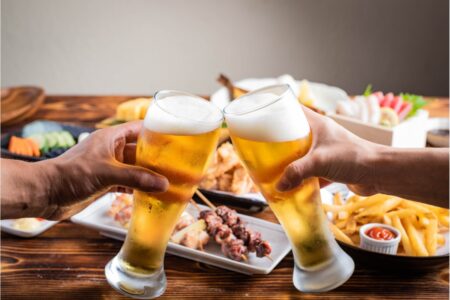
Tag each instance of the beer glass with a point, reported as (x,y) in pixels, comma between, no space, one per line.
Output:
(179,136)
(269,131)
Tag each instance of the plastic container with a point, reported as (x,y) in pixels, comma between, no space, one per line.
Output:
(380,246)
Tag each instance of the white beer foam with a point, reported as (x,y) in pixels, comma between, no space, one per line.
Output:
(182,115)
(280,121)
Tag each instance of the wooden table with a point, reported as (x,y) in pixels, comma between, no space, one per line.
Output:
(67,261)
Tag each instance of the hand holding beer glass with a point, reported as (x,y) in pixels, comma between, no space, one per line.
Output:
(269,131)
(179,136)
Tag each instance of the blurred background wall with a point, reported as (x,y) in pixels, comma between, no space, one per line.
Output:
(137,46)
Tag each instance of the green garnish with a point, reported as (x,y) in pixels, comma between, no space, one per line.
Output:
(224,125)
(368,90)
(417,102)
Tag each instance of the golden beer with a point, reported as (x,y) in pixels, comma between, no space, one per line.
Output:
(269,131)
(298,210)
(183,160)
(178,139)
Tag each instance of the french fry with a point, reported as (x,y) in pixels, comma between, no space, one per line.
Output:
(337,199)
(442,229)
(342,215)
(381,209)
(424,221)
(415,205)
(443,220)
(431,236)
(331,208)
(416,241)
(387,220)
(402,213)
(351,227)
(340,235)
(353,199)
(406,243)
(369,201)
(341,223)
(440,239)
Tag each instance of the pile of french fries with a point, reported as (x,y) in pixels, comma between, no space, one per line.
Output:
(422,226)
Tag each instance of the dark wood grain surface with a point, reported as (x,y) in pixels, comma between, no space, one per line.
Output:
(67,261)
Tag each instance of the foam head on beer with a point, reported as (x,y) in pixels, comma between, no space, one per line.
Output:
(271,114)
(179,113)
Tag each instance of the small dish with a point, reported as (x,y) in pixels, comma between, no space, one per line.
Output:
(438,132)
(8,227)
(380,246)
(74,130)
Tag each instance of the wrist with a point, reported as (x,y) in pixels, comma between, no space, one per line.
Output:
(373,155)
(377,159)
(47,179)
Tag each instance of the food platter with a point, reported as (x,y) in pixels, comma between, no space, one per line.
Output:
(96,217)
(327,95)
(399,263)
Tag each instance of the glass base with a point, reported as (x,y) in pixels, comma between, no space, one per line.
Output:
(136,286)
(326,278)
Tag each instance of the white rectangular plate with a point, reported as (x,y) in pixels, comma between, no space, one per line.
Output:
(7,226)
(96,216)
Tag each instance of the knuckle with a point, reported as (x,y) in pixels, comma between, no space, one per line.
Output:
(294,170)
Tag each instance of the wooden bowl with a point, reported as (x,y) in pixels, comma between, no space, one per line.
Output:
(20,103)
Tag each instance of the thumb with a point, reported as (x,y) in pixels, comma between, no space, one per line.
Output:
(295,173)
(137,178)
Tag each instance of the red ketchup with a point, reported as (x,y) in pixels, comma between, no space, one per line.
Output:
(380,233)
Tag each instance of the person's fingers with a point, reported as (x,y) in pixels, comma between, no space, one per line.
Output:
(313,117)
(362,190)
(295,173)
(136,177)
(129,154)
(130,131)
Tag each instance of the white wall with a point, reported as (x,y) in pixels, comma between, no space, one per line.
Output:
(137,47)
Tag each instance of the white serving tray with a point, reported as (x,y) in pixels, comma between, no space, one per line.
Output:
(95,216)
(411,133)
(7,226)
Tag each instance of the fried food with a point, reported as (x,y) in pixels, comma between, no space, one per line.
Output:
(227,174)
(421,225)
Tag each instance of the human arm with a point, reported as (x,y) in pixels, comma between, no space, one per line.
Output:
(368,168)
(60,187)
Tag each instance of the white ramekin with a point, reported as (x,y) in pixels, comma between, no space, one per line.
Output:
(381,246)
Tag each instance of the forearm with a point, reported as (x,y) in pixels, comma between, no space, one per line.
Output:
(416,174)
(25,189)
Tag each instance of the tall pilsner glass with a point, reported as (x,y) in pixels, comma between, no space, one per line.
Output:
(179,136)
(269,131)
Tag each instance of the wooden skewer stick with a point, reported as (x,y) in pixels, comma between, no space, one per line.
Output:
(269,257)
(195,205)
(204,199)
(244,258)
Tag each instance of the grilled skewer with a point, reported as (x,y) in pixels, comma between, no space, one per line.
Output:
(226,220)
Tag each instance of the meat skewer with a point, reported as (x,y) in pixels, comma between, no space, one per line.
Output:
(251,239)
(230,246)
